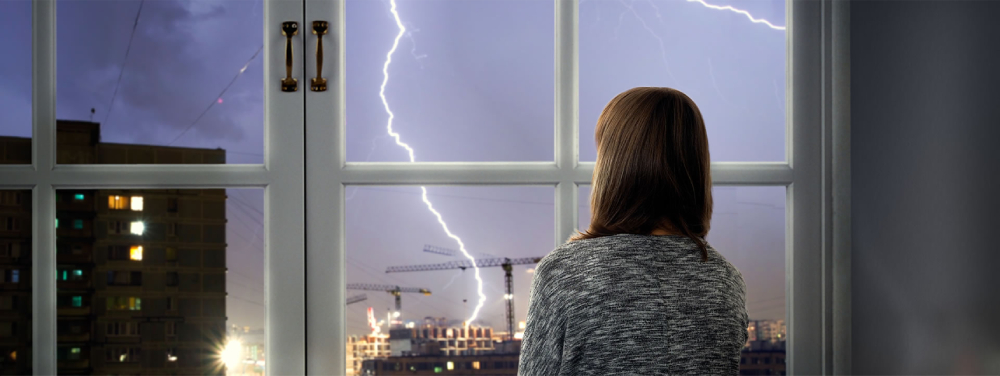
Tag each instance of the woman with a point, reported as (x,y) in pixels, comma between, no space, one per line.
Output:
(640,292)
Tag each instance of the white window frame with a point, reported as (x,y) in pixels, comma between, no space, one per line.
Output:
(817,261)
(281,176)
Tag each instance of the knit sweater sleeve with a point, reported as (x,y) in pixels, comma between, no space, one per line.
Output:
(545,329)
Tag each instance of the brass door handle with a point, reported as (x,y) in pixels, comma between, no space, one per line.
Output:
(289,29)
(319,29)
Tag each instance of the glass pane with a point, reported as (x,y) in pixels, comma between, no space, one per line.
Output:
(493,222)
(169,75)
(728,56)
(748,229)
(463,84)
(15,282)
(15,82)
(157,281)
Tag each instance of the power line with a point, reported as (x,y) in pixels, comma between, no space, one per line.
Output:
(214,100)
(121,72)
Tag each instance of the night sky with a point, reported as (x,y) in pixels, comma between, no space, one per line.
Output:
(471,81)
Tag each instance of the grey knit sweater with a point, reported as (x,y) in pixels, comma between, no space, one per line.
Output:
(634,305)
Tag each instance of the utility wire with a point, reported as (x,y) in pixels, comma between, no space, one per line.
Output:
(215,100)
(121,72)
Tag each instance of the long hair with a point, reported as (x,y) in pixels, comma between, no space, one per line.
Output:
(653,167)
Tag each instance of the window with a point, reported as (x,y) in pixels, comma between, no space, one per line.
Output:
(123,354)
(13,224)
(78,224)
(78,197)
(123,329)
(10,249)
(124,278)
(74,353)
(171,303)
(171,328)
(171,254)
(137,228)
(171,204)
(475,365)
(171,279)
(136,203)
(117,202)
(120,252)
(124,303)
(171,229)
(114,227)
(135,252)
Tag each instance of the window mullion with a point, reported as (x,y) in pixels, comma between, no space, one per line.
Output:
(43,265)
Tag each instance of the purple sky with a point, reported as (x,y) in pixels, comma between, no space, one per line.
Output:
(471,81)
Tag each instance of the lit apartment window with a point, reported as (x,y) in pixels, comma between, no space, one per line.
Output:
(118,202)
(137,228)
(135,253)
(136,203)
(475,365)
(78,197)
(451,366)
(78,224)
(124,303)
(57,222)
(171,254)
(74,353)
(78,301)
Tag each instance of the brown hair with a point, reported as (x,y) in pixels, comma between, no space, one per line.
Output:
(653,167)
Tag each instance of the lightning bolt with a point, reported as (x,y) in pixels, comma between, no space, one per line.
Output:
(396,136)
(740,11)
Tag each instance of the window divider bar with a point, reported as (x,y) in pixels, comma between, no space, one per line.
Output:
(43,142)
(567,153)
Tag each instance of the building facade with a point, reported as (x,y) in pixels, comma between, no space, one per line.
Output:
(370,346)
(141,273)
(463,365)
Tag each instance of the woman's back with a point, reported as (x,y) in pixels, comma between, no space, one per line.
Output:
(634,305)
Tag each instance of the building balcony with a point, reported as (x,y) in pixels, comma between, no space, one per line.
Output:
(66,338)
(76,367)
(73,285)
(74,311)
(69,258)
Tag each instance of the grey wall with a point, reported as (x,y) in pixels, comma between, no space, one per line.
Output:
(925,158)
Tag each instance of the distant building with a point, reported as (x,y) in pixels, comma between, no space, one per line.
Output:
(763,358)
(360,348)
(451,340)
(141,273)
(464,365)
(766,330)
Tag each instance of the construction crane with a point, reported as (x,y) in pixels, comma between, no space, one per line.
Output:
(391,289)
(451,252)
(506,263)
(356,298)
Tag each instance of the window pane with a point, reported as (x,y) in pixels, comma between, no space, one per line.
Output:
(463,84)
(151,303)
(393,227)
(732,65)
(168,75)
(748,229)
(15,82)
(15,281)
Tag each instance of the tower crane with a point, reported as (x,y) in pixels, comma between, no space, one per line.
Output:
(356,298)
(391,289)
(506,263)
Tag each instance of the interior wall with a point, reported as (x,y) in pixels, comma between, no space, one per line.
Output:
(925,160)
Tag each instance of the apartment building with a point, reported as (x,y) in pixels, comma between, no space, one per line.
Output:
(141,274)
